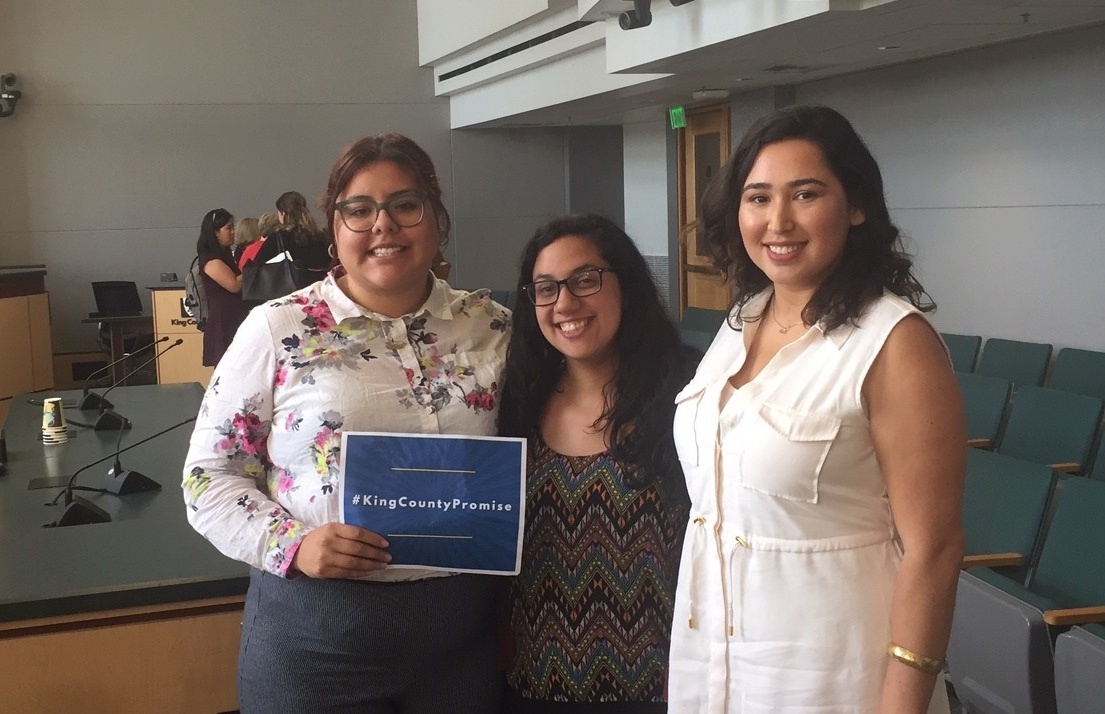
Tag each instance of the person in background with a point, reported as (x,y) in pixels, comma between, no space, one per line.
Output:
(246,233)
(379,344)
(823,442)
(222,284)
(267,224)
(302,240)
(592,373)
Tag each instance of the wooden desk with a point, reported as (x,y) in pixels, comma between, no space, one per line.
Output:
(137,615)
(120,326)
(26,360)
(170,319)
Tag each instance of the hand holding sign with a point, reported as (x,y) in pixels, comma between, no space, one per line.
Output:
(442,502)
(336,550)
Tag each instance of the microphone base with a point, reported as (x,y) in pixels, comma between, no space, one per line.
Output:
(125,481)
(111,421)
(93,402)
(80,512)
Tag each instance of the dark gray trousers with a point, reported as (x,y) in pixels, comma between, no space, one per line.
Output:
(342,646)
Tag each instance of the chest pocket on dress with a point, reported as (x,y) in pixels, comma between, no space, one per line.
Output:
(781,451)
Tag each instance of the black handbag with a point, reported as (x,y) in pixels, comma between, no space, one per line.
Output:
(263,281)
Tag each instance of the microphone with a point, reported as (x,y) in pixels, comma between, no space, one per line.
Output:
(80,511)
(109,420)
(122,481)
(91,400)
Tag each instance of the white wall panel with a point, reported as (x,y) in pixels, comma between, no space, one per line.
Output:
(646,178)
(574,77)
(447,26)
(994,166)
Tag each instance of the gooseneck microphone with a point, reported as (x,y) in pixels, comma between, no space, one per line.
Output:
(122,481)
(91,400)
(110,420)
(80,511)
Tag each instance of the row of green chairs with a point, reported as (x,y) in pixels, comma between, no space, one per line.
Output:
(1000,656)
(1004,503)
(1026,363)
(1039,424)
(699,326)
(506,298)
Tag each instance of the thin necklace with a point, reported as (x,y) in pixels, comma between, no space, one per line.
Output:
(783,329)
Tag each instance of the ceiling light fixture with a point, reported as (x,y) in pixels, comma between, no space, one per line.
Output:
(704,93)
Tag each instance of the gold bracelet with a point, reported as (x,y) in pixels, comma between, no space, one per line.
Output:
(928,665)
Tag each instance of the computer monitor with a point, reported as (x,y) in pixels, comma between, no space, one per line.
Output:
(116,298)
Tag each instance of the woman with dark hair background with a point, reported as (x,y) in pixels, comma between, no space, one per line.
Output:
(591,376)
(222,284)
(823,442)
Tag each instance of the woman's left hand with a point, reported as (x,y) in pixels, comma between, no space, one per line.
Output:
(339,550)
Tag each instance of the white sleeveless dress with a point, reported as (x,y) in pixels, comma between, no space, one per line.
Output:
(783,600)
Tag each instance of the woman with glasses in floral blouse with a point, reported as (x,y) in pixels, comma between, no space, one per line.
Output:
(378,345)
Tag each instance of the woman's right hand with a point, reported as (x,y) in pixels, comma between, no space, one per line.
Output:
(339,550)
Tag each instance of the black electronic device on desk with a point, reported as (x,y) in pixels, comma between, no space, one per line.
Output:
(116,298)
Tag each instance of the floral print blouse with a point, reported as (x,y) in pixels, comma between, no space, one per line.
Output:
(263,464)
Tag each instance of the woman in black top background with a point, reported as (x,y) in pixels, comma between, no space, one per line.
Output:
(222,284)
(301,238)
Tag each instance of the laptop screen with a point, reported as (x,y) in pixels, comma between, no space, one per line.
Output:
(117,297)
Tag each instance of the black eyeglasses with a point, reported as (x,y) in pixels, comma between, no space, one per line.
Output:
(359,214)
(581,284)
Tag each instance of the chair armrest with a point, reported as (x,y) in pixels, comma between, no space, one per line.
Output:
(992,560)
(979,443)
(1075,615)
(1068,467)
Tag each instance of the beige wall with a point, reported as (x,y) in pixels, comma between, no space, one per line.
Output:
(138,118)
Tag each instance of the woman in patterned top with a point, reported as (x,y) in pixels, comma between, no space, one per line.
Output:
(378,345)
(594,367)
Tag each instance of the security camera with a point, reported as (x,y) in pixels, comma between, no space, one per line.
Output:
(7,81)
(639,16)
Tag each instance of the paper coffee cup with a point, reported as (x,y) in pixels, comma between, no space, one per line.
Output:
(54,428)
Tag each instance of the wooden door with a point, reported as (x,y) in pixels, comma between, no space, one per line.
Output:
(703,148)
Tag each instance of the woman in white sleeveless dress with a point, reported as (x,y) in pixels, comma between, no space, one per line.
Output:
(823,443)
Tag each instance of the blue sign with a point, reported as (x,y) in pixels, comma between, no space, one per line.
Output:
(443,502)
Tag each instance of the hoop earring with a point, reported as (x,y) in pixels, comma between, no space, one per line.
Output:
(330,251)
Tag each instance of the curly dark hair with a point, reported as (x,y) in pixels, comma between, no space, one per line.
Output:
(873,258)
(653,365)
(386,147)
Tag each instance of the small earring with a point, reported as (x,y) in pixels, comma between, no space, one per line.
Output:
(331,252)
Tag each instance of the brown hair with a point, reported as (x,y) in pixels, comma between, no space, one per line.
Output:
(298,221)
(386,147)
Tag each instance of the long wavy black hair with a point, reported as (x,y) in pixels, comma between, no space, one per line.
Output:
(873,257)
(653,364)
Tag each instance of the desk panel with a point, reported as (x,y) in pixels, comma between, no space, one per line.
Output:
(26,362)
(185,363)
(140,614)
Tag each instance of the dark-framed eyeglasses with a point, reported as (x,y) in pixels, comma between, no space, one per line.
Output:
(581,284)
(359,214)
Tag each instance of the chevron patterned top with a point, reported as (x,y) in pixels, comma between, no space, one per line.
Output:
(592,606)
